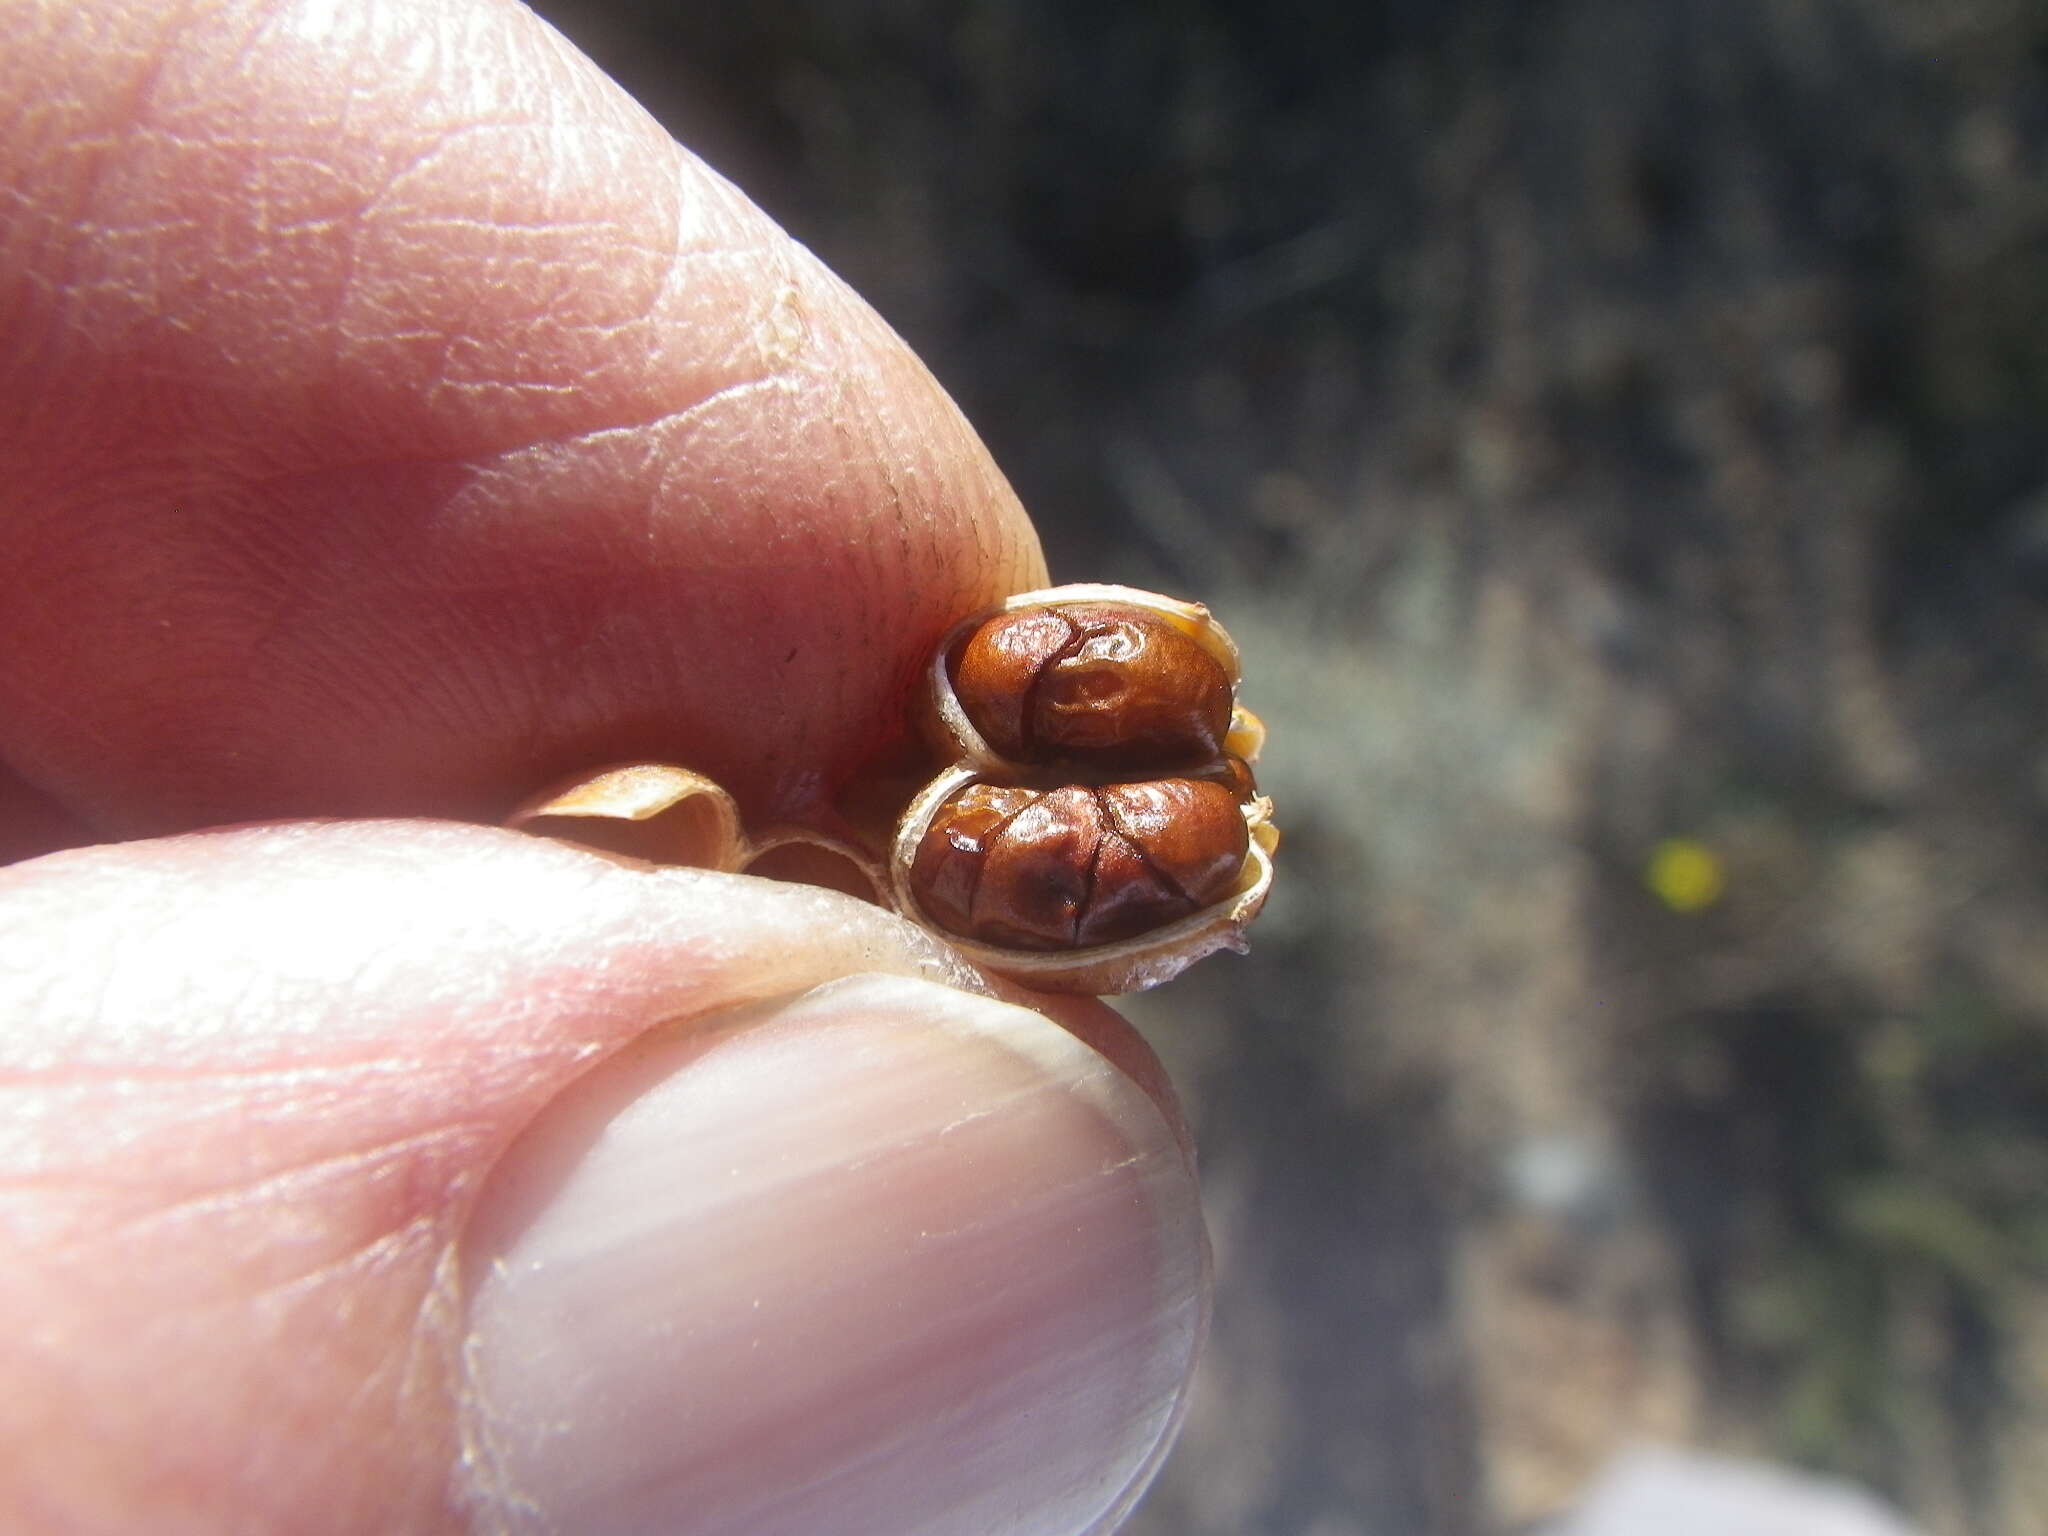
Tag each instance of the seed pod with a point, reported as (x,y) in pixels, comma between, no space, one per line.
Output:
(659,813)
(1098,829)
(1084,888)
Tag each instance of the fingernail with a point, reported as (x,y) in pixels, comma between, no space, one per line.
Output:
(887,1258)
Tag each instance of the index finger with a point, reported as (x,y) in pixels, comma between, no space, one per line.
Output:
(394,419)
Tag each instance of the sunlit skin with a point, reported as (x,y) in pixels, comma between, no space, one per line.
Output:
(393,420)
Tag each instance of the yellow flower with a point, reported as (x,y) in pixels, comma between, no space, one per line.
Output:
(1686,876)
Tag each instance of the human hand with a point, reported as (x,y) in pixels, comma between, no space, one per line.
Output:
(393,419)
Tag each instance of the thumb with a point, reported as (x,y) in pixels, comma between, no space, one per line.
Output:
(412,1176)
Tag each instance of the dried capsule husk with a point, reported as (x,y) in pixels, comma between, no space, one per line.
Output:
(1119,965)
(664,814)
(1247,736)
(657,813)
(951,728)
(661,813)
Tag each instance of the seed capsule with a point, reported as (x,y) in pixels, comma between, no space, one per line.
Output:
(1095,826)
(1105,684)
(1078,866)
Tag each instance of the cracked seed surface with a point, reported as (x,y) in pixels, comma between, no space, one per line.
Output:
(1096,683)
(1081,865)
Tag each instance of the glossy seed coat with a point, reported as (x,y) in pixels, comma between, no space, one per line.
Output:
(1078,865)
(1102,684)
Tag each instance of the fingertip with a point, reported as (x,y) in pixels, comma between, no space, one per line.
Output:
(407,420)
(883,1258)
(776,1206)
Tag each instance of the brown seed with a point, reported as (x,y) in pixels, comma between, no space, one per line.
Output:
(1234,774)
(1190,831)
(954,848)
(1039,871)
(1078,866)
(999,667)
(1127,897)
(1099,683)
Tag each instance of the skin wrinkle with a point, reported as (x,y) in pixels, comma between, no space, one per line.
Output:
(95,1192)
(352,226)
(133,100)
(300,1172)
(295,1183)
(84,1040)
(286,603)
(373,1072)
(284,1313)
(434,1343)
(395,1384)
(454,696)
(668,418)
(433,1230)
(216,589)
(707,393)
(266,17)
(423,160)
(494,222)
(393,1376)
(56,1068)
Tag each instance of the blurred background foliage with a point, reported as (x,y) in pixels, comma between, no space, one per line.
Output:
(1618,435)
